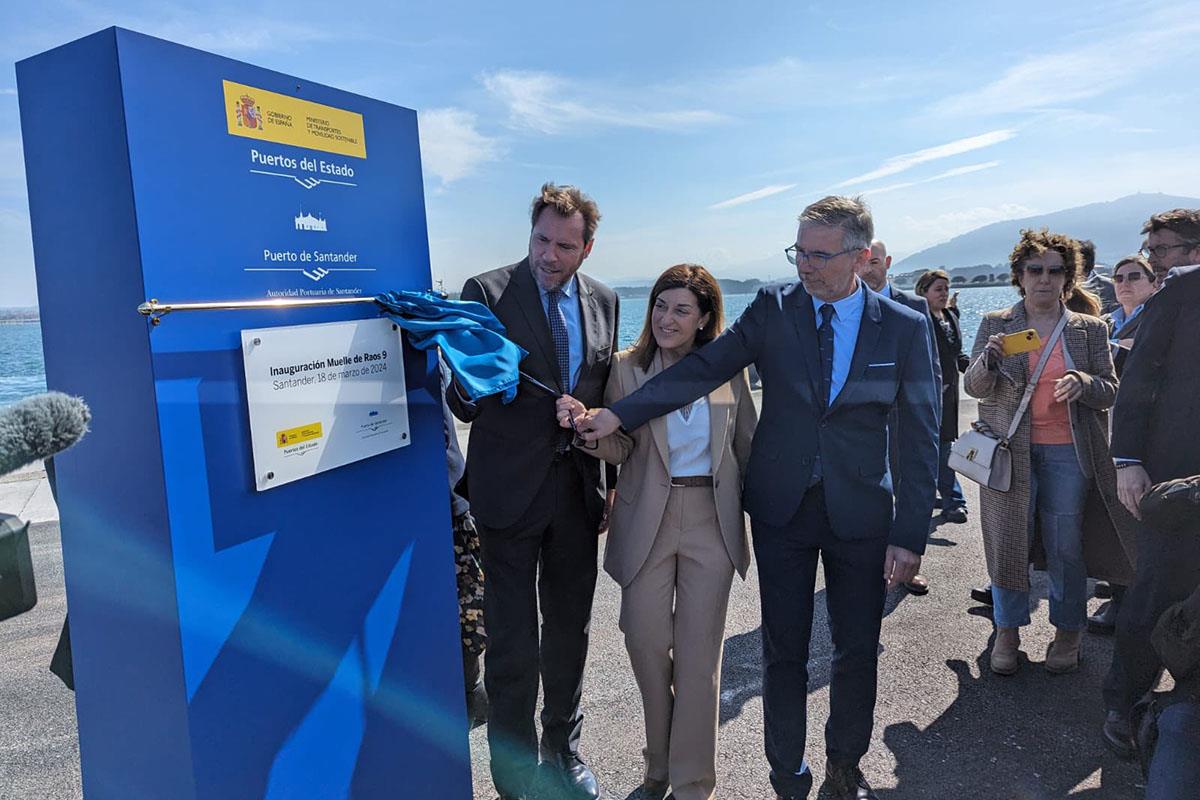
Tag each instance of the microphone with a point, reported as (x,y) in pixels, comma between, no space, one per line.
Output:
(37,427)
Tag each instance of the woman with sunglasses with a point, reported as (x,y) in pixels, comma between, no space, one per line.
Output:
(1135,283)
(677,533)
(1059,452)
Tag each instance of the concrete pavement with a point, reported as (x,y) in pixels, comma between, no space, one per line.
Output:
(945,727)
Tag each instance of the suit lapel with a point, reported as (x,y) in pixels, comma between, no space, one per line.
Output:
(805,320)
(658,425)
(535,316)
(1074,338)
(720,406)
(589,315)
(868,336)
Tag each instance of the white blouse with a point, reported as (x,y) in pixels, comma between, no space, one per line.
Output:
(688,441)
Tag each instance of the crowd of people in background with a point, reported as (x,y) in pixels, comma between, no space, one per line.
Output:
(843,463)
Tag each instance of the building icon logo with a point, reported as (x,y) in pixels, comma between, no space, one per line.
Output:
(306,221)
(249,115)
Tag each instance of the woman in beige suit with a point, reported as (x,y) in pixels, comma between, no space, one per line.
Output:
(677,533)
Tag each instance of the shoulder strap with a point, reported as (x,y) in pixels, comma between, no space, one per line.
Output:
(1037,373)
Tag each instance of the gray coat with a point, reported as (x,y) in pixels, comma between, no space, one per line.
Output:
(1108,528)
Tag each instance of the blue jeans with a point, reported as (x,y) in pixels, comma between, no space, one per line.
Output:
(1174,770)
(949,490)
(1058,490)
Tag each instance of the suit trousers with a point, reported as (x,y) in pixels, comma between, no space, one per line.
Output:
(1168,570)
(673,617)
(547,557)
(854,596)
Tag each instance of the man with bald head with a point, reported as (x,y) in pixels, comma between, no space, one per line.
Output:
(874,273)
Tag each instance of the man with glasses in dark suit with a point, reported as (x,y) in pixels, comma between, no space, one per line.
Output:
(1156,424)
(835,359)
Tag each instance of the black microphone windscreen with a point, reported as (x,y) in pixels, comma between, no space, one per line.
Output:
(37,427)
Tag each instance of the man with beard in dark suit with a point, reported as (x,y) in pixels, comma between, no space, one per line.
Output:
(1156,424)
(537,500)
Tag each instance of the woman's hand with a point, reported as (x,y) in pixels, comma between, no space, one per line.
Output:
(994,351)
(566,408)
(1068,388)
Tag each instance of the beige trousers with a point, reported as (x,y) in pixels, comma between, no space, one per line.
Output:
(673,618)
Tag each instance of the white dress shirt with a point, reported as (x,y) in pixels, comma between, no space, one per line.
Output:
(688,441)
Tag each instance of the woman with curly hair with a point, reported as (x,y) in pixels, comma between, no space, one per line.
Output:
(1059,451)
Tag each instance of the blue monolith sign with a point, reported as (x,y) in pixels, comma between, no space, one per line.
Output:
(230,641)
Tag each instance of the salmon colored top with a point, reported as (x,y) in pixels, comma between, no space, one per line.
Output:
(1050,419)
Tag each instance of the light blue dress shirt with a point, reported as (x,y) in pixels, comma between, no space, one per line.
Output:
(568,308)
(1120,320)
(847,315)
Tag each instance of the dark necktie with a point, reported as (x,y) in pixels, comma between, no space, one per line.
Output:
(825,345)
(562,344)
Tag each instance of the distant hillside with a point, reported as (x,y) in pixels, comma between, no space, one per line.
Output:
(1114,227)
(22,314)
(728,286)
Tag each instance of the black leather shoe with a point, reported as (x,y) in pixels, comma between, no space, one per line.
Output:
(1117,735)
(1104,622)
(565,777)
(1103,590)
(845,783)
(982,595)
(957,515)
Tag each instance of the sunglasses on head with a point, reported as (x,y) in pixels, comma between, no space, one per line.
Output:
(1129,276)
(1037,269)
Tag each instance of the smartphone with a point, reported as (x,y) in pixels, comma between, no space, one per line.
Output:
(1021,342)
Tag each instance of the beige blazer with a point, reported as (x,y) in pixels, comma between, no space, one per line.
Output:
(644,483)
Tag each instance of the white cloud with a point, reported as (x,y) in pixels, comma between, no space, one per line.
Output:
(452,146)
(945,226)
(907,161)
(950,173)
(750,197)
(550,104)
(7,91)
(1084,72)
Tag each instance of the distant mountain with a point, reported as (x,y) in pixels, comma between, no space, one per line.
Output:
(728,286)
(1114,227)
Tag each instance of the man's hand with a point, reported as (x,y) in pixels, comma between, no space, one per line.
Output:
(596,424)
(899,566)
(567,407)
(1132,485)
(609,499)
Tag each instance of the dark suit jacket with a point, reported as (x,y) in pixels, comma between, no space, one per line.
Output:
(952,361)
(891,368)
(1157,415)
(512,446)
(918,304)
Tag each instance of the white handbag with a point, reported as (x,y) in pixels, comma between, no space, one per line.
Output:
(984,457)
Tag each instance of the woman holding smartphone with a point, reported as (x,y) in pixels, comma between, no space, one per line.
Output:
(677,533)
(1059,452)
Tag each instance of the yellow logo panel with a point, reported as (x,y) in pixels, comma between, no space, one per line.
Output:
(271,117)
(297,435)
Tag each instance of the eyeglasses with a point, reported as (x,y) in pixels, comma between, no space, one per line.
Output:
(1037,269)
(1132,277)
(1160,250)
(819,260)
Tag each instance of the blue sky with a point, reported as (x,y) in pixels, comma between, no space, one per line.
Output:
(702,130)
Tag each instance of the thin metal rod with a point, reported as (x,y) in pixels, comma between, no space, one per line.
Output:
(156,310)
